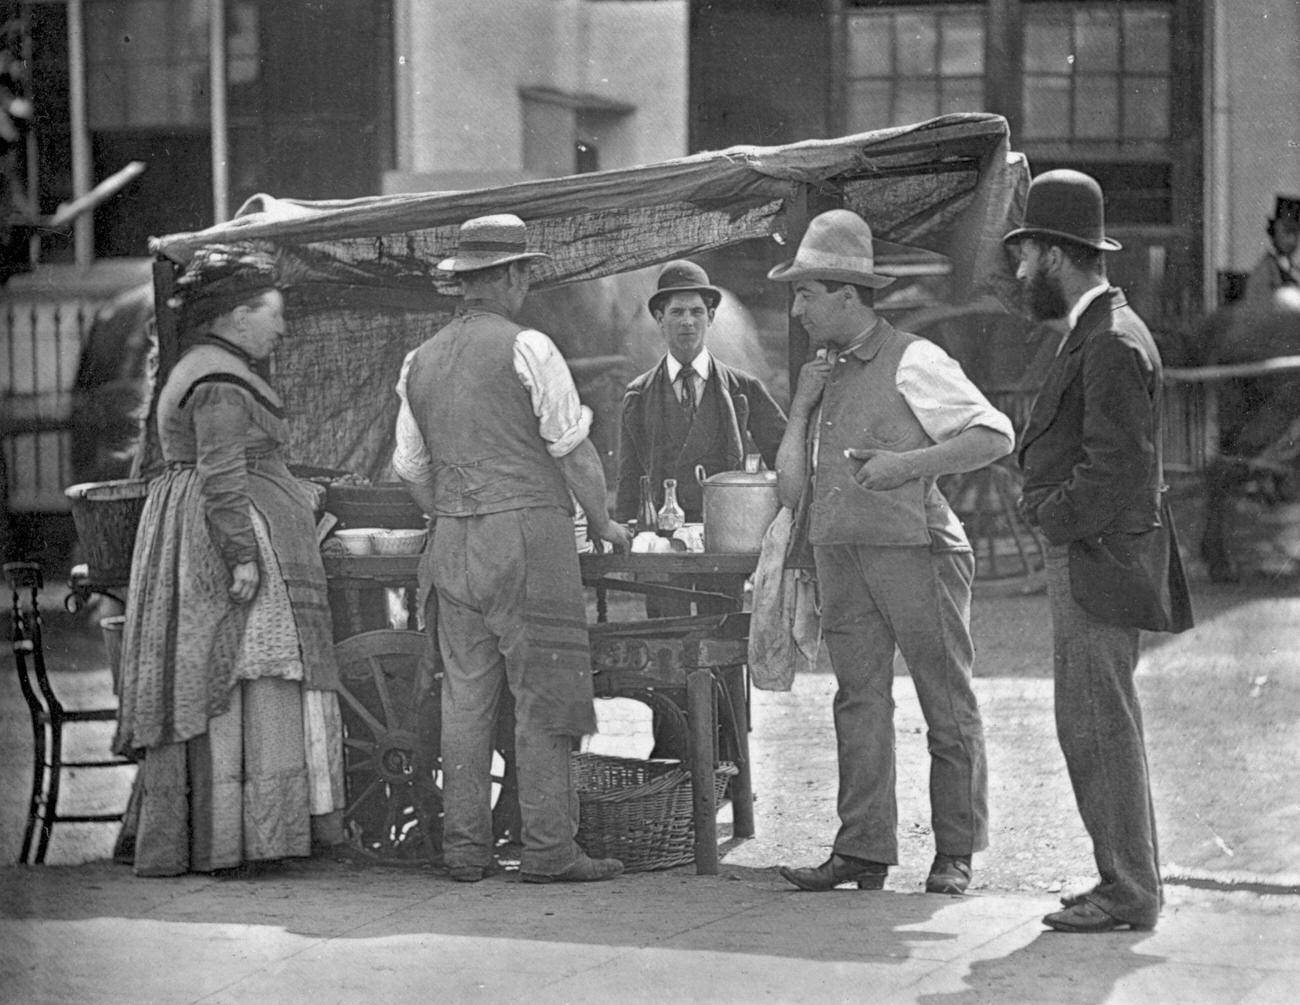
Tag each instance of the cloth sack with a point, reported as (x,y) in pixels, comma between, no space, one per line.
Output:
(785,625)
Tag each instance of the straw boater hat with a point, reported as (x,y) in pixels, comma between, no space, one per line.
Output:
(836,246)
(682,276)
(1066,205)
(485,241)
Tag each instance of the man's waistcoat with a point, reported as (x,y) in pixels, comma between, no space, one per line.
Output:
(478,422)
(862,408)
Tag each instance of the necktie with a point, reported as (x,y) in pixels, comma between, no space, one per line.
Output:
(688,389)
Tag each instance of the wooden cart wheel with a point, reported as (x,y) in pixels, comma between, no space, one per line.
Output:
(1008,552)
(390,700)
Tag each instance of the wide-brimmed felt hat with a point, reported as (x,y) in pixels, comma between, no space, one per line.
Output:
(1066,205)
(836,246)
(485,241)
(684,276)
(1287,208)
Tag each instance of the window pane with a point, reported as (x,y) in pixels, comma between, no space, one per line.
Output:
(1047,107)
(870,50)
(917,41)
(1096,41)
(1096,107)
(963,45)
(1146,108)
(962,94)
(1146,40)
(1047,45)
(916,100)
(153,96)
(868,105)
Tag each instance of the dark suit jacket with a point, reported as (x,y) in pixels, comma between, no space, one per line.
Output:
(752,422)
(1093,477)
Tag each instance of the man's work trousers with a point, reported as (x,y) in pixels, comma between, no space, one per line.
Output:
(1099,725)
(873,599)
(479,576)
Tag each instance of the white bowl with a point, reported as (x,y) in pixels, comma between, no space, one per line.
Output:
(355,541)
(394,541)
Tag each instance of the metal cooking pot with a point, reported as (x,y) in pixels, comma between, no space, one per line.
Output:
(738,507)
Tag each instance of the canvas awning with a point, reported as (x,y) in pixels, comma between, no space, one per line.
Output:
(367,291)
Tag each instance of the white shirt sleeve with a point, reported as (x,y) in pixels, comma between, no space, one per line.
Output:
(942,397)
(562,420)
(411,458)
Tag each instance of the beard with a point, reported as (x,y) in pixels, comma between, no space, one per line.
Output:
(1045,298)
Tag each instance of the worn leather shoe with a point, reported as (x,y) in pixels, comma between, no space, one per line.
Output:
(949,874)
(584,870)
(1087,917)
(836,870)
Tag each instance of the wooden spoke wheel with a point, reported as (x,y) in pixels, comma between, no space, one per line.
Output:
(1008,552)
(390,700)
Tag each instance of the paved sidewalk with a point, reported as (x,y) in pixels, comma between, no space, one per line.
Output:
(324,932)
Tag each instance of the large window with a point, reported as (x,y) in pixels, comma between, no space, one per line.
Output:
(147,63)
(1096,72)
(904,64)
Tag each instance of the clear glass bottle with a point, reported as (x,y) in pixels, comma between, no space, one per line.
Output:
(647,520)
(671,516)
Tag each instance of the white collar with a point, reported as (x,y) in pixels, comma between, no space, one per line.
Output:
(1083,303)
(700,364)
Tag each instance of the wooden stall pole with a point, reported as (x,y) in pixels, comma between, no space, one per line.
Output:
(700,719)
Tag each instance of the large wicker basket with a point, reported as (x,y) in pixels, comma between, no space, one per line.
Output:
(639,812)
(106,515)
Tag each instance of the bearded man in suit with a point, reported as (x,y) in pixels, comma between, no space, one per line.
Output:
(1093,484)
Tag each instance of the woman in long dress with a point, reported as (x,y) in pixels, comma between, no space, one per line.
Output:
(229,680)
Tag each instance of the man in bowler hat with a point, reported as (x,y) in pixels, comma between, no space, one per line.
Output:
(1275,267)
(1093,485)
(690,408)
(877,416)
(492,443)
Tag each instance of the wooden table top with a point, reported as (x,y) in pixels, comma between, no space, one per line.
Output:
(402,568)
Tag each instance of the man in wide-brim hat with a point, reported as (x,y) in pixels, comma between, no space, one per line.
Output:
(1093,486)
(492,443)
(878,415)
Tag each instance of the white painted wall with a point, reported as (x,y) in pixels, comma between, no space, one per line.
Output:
(1259,157)
(461,64)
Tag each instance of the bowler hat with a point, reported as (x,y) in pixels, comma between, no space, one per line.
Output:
(837,246)
(485,241)
(1288,208)
(683,276)
(1066,205)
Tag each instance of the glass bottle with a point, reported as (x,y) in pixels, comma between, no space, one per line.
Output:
(671,515)
(647,520)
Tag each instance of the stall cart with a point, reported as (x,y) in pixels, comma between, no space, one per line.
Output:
(364,290)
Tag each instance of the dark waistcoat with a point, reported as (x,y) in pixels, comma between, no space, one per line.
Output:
(478,422)
(862,408)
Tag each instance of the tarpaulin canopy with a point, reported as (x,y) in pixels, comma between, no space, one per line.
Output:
(366,290)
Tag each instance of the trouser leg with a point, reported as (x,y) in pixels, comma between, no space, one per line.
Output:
(928,606)
(1099,725)
(547,801)
(474,674)
(861,649)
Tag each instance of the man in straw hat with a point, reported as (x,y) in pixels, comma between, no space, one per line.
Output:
(877,416)
(1093,486)
(492,443)
(690,408)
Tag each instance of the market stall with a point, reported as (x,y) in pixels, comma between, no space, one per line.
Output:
(363,291)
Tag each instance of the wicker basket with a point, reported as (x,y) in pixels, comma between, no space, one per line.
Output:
(639,812)
(106,515)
